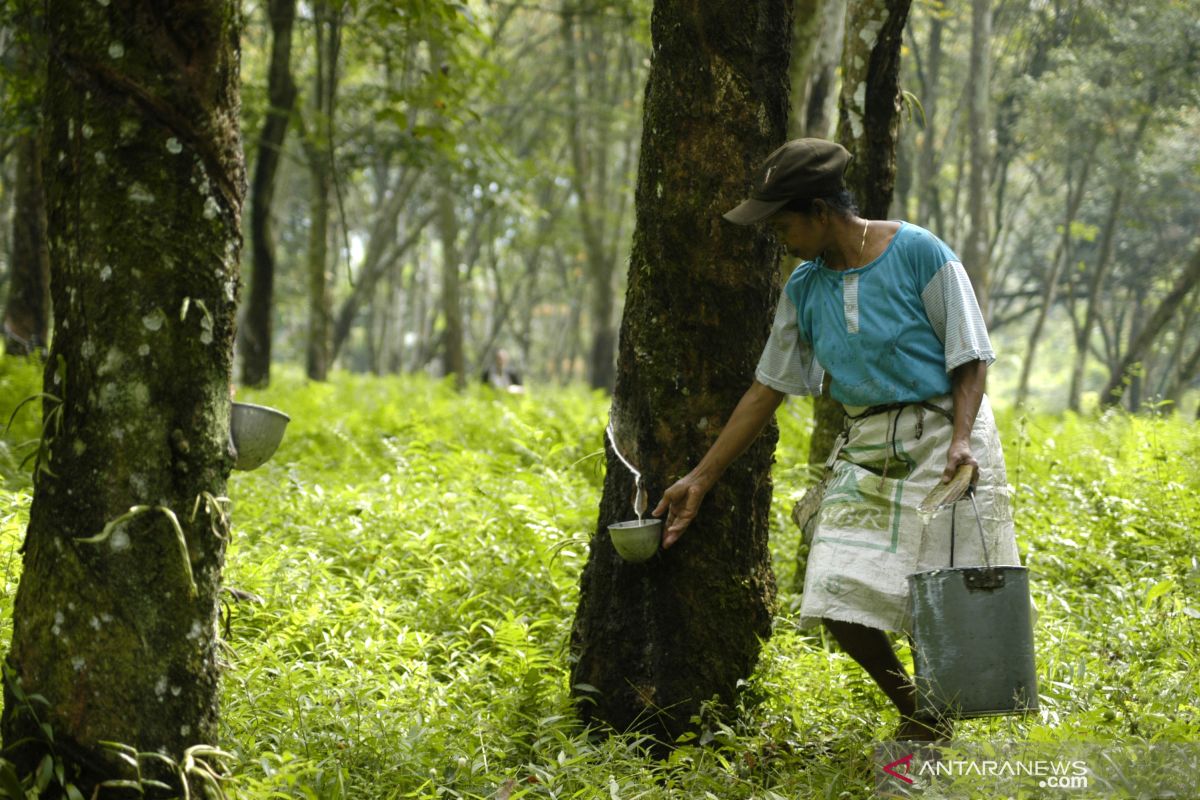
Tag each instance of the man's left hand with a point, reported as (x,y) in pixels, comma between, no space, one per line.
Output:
(960,453)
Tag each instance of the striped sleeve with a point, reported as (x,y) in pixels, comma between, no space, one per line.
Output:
(954,312)
(787,363)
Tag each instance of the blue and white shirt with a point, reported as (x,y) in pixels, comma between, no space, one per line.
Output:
(888,332)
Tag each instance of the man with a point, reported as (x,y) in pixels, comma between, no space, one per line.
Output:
(881,315)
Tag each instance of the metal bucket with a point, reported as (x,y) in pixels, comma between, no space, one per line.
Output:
(973,640)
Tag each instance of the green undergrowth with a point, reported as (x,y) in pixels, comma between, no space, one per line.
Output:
(408,565)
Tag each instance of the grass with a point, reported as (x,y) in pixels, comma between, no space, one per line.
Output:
(417,554)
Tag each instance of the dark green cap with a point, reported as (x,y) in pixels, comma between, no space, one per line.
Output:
(802,168)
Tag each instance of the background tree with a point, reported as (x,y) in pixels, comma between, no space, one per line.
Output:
(115,617)
(977,250)
(256,328)
(652,641)
(868,125)
(27,307)
(318,143)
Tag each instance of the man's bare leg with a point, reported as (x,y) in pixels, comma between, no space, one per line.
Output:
(873,651)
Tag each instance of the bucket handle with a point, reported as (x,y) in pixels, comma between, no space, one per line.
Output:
(987,561)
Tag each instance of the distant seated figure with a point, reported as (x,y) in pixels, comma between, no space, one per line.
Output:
(501,376)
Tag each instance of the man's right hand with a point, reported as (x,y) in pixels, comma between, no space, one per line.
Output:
(681,502)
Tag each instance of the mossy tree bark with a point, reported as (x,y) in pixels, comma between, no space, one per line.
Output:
(653,641)
(255,331)
(144,183)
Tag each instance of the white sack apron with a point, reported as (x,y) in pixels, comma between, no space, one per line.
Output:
(869,536)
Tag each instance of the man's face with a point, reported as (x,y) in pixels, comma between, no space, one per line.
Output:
(800,234)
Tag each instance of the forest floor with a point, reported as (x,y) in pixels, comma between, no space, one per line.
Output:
(417,556)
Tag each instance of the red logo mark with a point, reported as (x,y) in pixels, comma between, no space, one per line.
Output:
(901,775)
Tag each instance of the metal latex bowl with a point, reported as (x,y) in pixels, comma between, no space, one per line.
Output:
(636,540)
(256,432)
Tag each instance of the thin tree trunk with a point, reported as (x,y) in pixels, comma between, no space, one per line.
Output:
(119,633)
(452,317)
(1140,343)
(319,148)
(978,237)
(255,331)
(1095,285)
(653,641)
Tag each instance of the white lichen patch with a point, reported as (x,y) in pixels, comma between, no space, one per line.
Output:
(78,663)
(154,320)
(160,687)
(104,3)
(114,360)
(87,130)
(206,330)
(95,623)
(173,146)
(140,194)
(87,349)
(144,350)
(106,273)
(176,691)
(210,208)
(196,630)
(184,730)
(116,50)
(140,484)
(119,540)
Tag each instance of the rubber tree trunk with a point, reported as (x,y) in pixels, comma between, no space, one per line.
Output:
(868,126)
(652,641)
(255,330)
(144,183)
(451,297)
(27,309)
(978,244)
(319,149)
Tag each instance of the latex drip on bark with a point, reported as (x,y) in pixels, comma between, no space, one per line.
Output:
(640,500)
